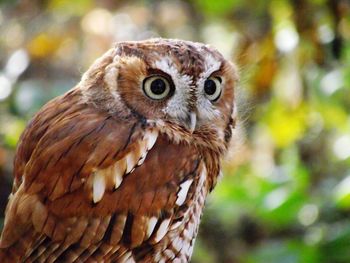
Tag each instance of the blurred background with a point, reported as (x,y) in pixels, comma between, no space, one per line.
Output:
(285,195)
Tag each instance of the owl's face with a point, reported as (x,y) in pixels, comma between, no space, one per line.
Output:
(187,85)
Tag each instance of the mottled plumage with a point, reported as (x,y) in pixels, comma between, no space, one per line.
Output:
(118,168)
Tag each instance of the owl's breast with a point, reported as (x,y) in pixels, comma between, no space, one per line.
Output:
(177,174)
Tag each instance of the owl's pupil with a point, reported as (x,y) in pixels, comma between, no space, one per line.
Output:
(209,87)
(158,86)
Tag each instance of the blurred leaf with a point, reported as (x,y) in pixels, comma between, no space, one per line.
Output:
(334,116)
(217,8)
(342,193)
(292,251)
(202,254)
(12,131)
(336,249)
(43,45)
(67,7)
(286,124)
(9,2)
(285,213)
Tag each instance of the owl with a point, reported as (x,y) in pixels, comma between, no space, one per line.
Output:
(119,167)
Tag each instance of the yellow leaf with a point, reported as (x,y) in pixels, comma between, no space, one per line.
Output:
(286,125)
(69,7)
(43,45)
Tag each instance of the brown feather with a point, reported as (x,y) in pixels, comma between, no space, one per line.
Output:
(104,173)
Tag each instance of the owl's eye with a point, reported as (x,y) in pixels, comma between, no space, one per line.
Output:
(212,88)
(156,87)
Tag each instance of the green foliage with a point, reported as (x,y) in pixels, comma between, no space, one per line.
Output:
(217,8)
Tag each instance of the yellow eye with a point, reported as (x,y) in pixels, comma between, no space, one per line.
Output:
(156,87)
(212,88)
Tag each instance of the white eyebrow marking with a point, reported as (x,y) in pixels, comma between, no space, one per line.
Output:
(206,110)
(177,105)
(211,65)
(166,65)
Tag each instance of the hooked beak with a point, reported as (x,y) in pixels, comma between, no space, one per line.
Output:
(191,121)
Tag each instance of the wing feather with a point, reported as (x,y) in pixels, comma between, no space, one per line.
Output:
(88,184)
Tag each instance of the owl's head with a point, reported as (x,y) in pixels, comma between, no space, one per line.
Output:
(180,85)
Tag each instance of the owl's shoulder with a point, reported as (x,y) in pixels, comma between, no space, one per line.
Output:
(67,125)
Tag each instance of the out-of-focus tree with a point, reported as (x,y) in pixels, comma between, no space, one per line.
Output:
(285,196)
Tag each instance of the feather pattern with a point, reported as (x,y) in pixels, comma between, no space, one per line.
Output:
(103,173)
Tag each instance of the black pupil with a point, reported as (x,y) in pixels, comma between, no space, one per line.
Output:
(158,86)
(209,86)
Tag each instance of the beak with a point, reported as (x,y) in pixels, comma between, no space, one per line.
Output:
(192,121)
